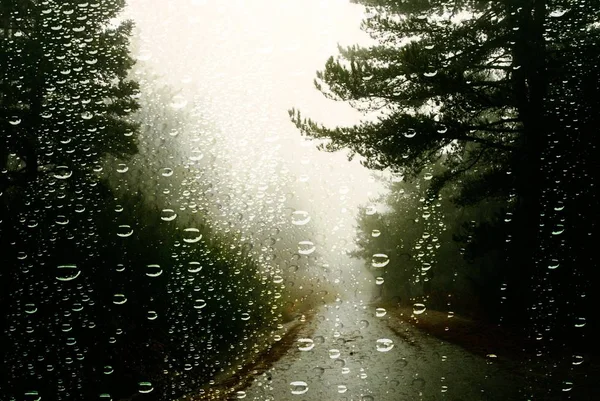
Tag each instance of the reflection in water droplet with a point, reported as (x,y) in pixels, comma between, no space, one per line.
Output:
(380,260)
(553,264)
(199,304)
(153,271)
(384,345)
(245,316)
(30,309)
(419,308)
(305,344)
(380,312)
(168,215)
(300,218)
(306,247)
(341,388)
(194,267)
(379,280)
(152,315)
(62,173)
(240,394)
(67,272)
(299,387)
(119,299)
(124,230)
(375,233)
(334,353)
(122,168)
(145,387)
(191,235)
(167,172)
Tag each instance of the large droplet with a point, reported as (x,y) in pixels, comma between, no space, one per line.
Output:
(124,230)
(298,387)
(153,270)
(168,215)
(306,247)
(191,235)
(67,272)
(380,260)
(419,308)
(300,218)
(145,387)
(384,345)
(305,344)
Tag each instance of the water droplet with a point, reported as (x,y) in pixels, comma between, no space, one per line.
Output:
(199,304)
(194,267)
(341,388)
(62,173)
(380,260)
(379,280)
(334,353)
(14,120)
(67,272)
(153,271)
(240,394)
(122,168)
(30,308)
(178,102)
(86,115)
(430,74)
(151,315)
(124,230)
(410,133)
(299,387)
(245,316)
(580,322)
(418,309)
(191,235)
(427,176)
(145,387)
(567,386)
(119,299)
(107,370)
(370,210)
(380,312)
(384,345)
(553,264)
(306,247)
(167,172)
(375,233)
(168,215)
(305,344)
(300,218)
(367,398)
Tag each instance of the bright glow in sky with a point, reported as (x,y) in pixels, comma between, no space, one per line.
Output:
(242,64)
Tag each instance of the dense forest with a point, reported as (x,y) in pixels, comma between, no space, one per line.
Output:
(483,113)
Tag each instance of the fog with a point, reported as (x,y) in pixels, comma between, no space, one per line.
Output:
(235,68)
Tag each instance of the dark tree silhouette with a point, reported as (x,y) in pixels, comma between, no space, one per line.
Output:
(501,93)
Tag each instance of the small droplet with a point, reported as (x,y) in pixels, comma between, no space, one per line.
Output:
(419,308)
(119,299)
(305,344)
(306,247)
(145,387)
(300,218)
(153,271)
(384,345)
(67,272)
(191,235)
(299,387)
(334,353)
(380,260)
(124,231)
(380,312)
(168,215)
